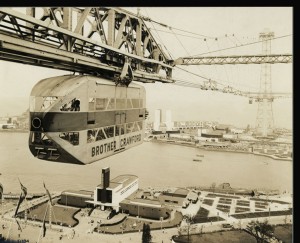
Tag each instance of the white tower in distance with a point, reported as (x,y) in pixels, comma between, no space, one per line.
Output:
(169,123)
(157,120)
(264,119)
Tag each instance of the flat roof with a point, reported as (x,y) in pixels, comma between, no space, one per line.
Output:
(142,202)
(192,196)
(181,191)
(211,133)
(146,201)
(79,193)
(123,180)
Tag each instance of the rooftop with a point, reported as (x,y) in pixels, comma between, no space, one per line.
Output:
(143,202)
(78,193)
(123,180)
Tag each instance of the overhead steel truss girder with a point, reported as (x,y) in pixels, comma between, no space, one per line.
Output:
(87,40)
(241,59)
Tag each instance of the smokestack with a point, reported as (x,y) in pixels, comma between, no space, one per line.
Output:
(105,177)
(105,184)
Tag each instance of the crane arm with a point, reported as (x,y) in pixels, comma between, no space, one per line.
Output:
(235,59)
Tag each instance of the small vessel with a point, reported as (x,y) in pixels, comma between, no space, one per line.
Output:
(197,160)
(200,155)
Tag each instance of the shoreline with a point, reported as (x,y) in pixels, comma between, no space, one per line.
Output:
(13,131)
(273,157)
(187,144)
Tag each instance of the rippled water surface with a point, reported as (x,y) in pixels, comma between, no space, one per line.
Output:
(155,165)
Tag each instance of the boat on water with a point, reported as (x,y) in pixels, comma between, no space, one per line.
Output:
(200,155)
(197,160)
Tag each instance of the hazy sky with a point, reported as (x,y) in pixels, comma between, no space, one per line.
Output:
(217,28)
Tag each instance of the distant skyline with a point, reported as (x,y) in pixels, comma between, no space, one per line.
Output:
(218,28)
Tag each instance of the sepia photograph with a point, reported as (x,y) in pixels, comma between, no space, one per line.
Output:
(146,124)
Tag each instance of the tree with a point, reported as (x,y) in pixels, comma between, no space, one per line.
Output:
(260,230)
(189,220)
(146,237)
(253,193)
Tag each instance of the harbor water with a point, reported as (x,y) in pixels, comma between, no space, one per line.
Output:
(156,165)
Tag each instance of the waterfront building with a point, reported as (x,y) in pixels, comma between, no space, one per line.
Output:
(176,198)
(210,136)
(110,193)
(146,208)
(76,198)
(223,128)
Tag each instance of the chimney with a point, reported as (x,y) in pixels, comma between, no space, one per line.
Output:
(105,177)
(105,184)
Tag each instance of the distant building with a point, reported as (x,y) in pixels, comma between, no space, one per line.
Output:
(237,130)
(157,120)
(169,123)
(230,136)
(220,127)
(6,123)
(176,198)
(210,136)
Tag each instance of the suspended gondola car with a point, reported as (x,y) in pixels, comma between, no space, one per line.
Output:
(81,119)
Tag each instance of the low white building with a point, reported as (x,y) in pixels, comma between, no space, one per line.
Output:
(230,136)
(237,130)
(118,189)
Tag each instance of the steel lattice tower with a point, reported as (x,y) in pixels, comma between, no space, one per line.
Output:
(264,119)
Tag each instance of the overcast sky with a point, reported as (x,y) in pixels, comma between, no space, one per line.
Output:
(218,28)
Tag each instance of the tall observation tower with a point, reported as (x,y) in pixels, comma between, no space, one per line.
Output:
(264,119)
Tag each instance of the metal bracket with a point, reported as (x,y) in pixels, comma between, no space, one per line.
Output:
(124,78)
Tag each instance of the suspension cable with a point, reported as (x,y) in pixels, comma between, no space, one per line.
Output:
(242,45)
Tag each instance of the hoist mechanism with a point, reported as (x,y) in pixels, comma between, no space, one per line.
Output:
(108,42)
(259,97)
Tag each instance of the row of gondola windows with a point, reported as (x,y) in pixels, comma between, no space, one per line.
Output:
(111,103)
(42,102)
(71,137)
(73,105)
(98,134)
(111,131)
(40,138)
(94,103)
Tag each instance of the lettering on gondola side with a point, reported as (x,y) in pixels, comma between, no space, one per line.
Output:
(111,146)
(103,148)
(130,140)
